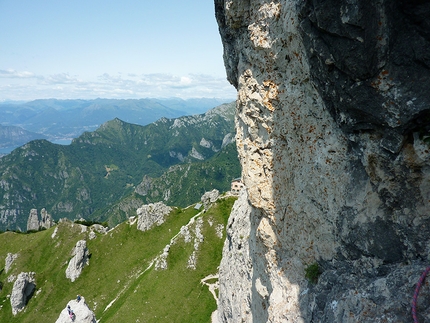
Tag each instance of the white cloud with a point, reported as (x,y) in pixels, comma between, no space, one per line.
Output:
(62,78)
(10,73)
(66,86)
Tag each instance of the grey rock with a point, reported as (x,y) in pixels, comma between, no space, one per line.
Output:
(10,258)
(33,220)
(22,290)
(209,197)
(152,214)
(79,261)
(196,154)
(235,271)
(83,314)
(11,278)
(99,228)
(144,186)
(353,293)
(332,120)
(227,140)
(161,261)
(46,219)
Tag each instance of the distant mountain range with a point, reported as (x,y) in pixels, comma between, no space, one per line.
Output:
(66,119)
(118,165)
(16,136)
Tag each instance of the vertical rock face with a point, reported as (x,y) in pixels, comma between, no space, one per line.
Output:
(33,220)
(332,123)
(46,219)
(236,265)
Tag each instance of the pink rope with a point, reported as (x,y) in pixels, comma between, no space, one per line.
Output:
(417,291)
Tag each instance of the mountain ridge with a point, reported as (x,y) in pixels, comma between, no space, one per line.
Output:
(103,166)
(66,119)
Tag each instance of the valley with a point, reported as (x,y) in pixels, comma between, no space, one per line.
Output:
(120,164)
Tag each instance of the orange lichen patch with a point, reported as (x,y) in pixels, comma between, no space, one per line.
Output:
(382,82)
(270,93)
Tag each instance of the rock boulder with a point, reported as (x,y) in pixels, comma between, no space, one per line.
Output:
(22,290)
(209,197)
(79,261)
(83,313)
(152,214)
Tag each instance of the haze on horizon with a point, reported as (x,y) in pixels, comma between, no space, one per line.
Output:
(125,50)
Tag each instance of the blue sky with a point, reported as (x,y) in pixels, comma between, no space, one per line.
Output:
(110,49)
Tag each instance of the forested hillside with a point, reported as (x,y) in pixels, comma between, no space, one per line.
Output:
(99,168)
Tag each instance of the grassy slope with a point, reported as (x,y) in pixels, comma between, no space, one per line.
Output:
(117,271)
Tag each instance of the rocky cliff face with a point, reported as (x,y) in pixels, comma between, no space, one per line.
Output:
(332,124)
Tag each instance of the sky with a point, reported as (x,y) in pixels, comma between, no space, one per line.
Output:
(125,49)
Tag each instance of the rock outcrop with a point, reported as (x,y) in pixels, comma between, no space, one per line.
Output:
(333,121)
(33,220)
(10,258)
(236,265)
(46,220)
(82,313)
(22,290)
(209,197)
(152,214)
(33,223)
(79,261)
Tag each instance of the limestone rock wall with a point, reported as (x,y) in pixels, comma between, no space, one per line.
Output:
(332,120)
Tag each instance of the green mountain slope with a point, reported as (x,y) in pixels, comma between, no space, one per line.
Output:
(180,185)
(101,167)
(120,284)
